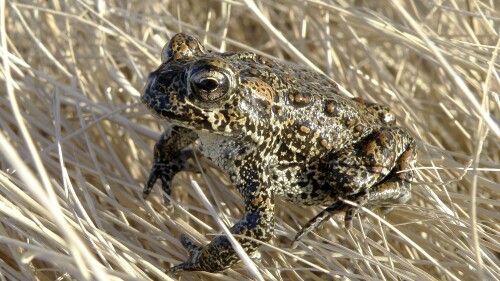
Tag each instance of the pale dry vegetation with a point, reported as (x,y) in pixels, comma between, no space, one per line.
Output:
(76,143)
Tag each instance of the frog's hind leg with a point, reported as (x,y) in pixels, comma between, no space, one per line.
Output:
(377,171)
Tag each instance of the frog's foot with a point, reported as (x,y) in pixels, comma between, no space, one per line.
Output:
(169,158)
(165,171)
(194,250)
(162,172)
(217,256)
(335,208)
(395,188)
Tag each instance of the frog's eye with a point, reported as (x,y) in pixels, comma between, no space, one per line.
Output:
(210,84)
(182,46)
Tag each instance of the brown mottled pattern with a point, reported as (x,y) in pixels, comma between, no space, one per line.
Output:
(277,131)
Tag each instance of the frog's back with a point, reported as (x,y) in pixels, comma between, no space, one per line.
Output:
(313,117)
(302,108)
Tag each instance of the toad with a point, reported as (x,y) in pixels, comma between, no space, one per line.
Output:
(277,131)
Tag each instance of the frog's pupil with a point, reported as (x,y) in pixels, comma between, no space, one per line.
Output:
(208,85)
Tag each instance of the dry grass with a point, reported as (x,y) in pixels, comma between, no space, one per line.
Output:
(75,142)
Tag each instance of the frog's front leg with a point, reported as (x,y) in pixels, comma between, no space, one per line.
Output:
(169,158)
(257,223)
(374,172)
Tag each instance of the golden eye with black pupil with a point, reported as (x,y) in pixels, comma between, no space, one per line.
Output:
(209,84)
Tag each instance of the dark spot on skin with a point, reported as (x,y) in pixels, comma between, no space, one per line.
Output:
(304,129)
(331,108)
(266,61)
(277,110)
(324,144)
(334,146)
(359,100)
(300,99)
(350,121)
(358,130)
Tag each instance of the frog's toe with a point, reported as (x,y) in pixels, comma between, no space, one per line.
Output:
(386,210)
(319,219)
(162,172)
(194,250)
(190,265)
(350,213)
(310,226)
(165,186)
(174,271)
(150,182)
(192,247)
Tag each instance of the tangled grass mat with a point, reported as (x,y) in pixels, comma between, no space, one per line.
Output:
(76,143)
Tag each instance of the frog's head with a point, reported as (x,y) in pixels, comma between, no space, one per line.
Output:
(201,90)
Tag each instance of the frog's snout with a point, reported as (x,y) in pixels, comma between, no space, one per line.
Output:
(147,90)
